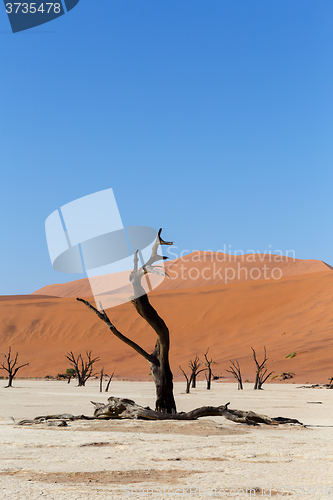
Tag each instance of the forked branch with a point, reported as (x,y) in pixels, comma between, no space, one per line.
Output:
(104,317)
(148,267)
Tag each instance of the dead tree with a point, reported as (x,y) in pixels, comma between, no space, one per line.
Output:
(159,359)
(194,365)
(109,382)
(208,364)
(235,370)
(11,366)
(261,376)
(188,381)
(83,369)
(117,408)
(70,373)
(101,380)
(165,407)
(102,377)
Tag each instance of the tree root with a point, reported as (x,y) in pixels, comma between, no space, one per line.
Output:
(119,408)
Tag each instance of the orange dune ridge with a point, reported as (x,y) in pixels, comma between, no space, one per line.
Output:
(288,312)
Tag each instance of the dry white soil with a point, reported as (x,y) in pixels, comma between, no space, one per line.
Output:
(208,458)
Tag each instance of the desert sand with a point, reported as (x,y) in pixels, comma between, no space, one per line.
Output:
(292,314)
(123,459)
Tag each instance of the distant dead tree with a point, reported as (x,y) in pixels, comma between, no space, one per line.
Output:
(101,380)
(109,382)
(188,380)
(83,369)
(261,376)
(11,366)
(104,376)
(208,363)
(194,364)
(235,370)
(70,373)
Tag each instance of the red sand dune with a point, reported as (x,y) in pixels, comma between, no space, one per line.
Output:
(208,268)
(290,314)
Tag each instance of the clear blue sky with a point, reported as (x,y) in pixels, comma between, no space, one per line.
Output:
(212,119)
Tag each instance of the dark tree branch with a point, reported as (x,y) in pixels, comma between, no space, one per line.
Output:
(263,378)
(188,381)
(103,316)
(108,384)
(101,380)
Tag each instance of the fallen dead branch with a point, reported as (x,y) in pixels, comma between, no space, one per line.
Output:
(120,408)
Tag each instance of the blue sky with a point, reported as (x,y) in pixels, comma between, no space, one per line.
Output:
(210,119)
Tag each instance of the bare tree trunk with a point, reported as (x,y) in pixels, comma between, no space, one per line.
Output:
(10,381)
(208,378)
(82,369)
(108,384)
(159,362)
(101,380)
